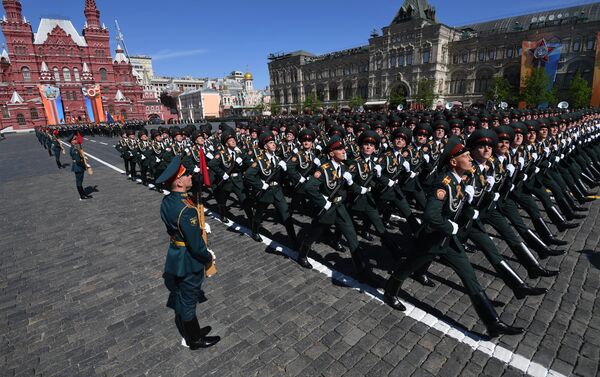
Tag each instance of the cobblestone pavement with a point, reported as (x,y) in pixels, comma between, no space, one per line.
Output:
(82,294)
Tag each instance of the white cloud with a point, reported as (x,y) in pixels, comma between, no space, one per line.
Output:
(169,54)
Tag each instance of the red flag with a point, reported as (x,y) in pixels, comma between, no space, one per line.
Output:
(203,167)
(79,138)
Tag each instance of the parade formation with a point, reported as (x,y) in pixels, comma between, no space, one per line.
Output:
(448,173)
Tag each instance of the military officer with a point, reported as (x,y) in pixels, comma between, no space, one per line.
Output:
(187,256)
(78,166)
(57,148)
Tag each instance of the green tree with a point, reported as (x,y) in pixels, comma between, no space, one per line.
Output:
(312,102)
(536,88)
(580,92)
(396,98)
(500,90)
(425,92)
(356,102)
(275,108)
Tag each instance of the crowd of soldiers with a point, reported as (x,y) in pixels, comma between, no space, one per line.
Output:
(447,173)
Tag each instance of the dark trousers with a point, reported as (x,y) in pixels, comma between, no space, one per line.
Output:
(343,224)
(184,293)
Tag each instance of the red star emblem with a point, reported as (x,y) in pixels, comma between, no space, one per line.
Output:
(541,51)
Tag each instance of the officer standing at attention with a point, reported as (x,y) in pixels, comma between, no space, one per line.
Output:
(78,166)
(439,238)
(57,148)
(187,257)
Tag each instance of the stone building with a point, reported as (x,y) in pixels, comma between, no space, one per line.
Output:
(461,61)
(57,56)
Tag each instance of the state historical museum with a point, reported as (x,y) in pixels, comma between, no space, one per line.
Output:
(59,76)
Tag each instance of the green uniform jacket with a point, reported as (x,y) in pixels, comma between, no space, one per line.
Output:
(259,172)
(181,219)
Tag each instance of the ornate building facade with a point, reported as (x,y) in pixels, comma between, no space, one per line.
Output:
(461,61)
(81,67)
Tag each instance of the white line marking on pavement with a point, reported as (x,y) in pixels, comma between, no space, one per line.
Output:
(100,161)
(462,335)
(103,143)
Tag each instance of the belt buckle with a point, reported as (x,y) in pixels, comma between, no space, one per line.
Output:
(273,184)
(337,199)
(235,174)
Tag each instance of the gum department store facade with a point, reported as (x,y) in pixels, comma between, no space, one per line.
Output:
(461,60)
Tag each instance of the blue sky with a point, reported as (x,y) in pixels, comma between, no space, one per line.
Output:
(211,38)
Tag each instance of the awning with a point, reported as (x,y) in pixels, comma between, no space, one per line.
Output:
(375,103)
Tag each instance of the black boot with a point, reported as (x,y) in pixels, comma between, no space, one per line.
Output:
(59,164)
(387,241)
(587,177)
(303,255)
(560,221)
(390,294)
(359,264)
(570,203)
(222,211)
(514,282)
(542,228)
(413,223)
(291,232)
(580,197)
(423,279)
(82,194)
(203,331)
(539,246)
(586,191)
(534,270)
(487,313)
(193,335)
(255,227)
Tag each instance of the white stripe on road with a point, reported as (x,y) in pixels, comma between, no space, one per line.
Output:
(103,143)
(93,141)
(113,167)
(474,341)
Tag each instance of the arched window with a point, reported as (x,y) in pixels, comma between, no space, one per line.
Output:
(5,113)
(103,75)
(347,90)
(21,119)
(66,74)
(26,74)
(34,114)
(333,92)
(483,80)
(512,74)
(363,89)
(458,83)
(56,74)
(76,74)
(426,55)
(124,114)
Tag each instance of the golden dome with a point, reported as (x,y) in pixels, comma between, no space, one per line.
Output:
(248,76)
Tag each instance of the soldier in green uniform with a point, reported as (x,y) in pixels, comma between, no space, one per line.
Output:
(78,166)
(143,155)
(57,148)
(444,214)
(265,177)
(301,167)
(187,257)
(327,190)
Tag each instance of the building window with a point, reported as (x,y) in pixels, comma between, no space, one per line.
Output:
(21,119)
(401,60)
(393,61)
(103,75)
(509,52)
(481,55)
(492,54)
(426,56)
(56,74)
(409,58)
(30,91)
(455,59)
(76,74)
(26,74)
(465,57)
(458,83)
(347,90)
(590,44)
(576,45)
(519,51)
(5,113)
(363,89)
(34,114)
(483,80)
(66,74)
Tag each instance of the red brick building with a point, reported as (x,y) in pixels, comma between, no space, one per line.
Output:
(56,56)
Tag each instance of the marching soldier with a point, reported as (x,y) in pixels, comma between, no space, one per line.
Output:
(78,165)
(144,155)
(57,148)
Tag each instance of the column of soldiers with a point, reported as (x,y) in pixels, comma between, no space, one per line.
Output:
(448,173)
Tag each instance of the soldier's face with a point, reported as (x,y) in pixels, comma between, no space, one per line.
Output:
(502,147)
(200,140)
(338,154)
(422,138)
(290,136)
(531,137)
(518,140)
(399,143)
(456,131)
(440,133)
(307,144)
(543,133)
(482,152)
(231,143)
(144,137)
(462,163)
(367,149)
(179,137)
(271,147)
(158,138)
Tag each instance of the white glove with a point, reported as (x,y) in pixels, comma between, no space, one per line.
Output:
(378,170)
(406,166)
(562,155)
(537,170)
(512,187)
(283,165)
(475,214)
(549,164)
(318,147)
(534,156)
(496,197)
(265,186)
(187,150)
(348,177)
(364,190)
(413,174)
(470,192)
(239,160)
(210,251)
(454,227)
(555,147)
(196,169)
(225,176)
(563,142)
(511,169)
(426,158)
(557,159)
(391,183)
(327,205)
(521,162)
(295,150)
(491,181)
(302,179)
(317,161)
(143,157)
(157,160)
(208,230)
(547,151)
(210,156)
(525,176)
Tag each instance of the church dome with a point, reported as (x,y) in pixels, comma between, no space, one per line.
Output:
(248,76)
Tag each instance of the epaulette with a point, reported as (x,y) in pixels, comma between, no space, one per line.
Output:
(446,181)
(325,165)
